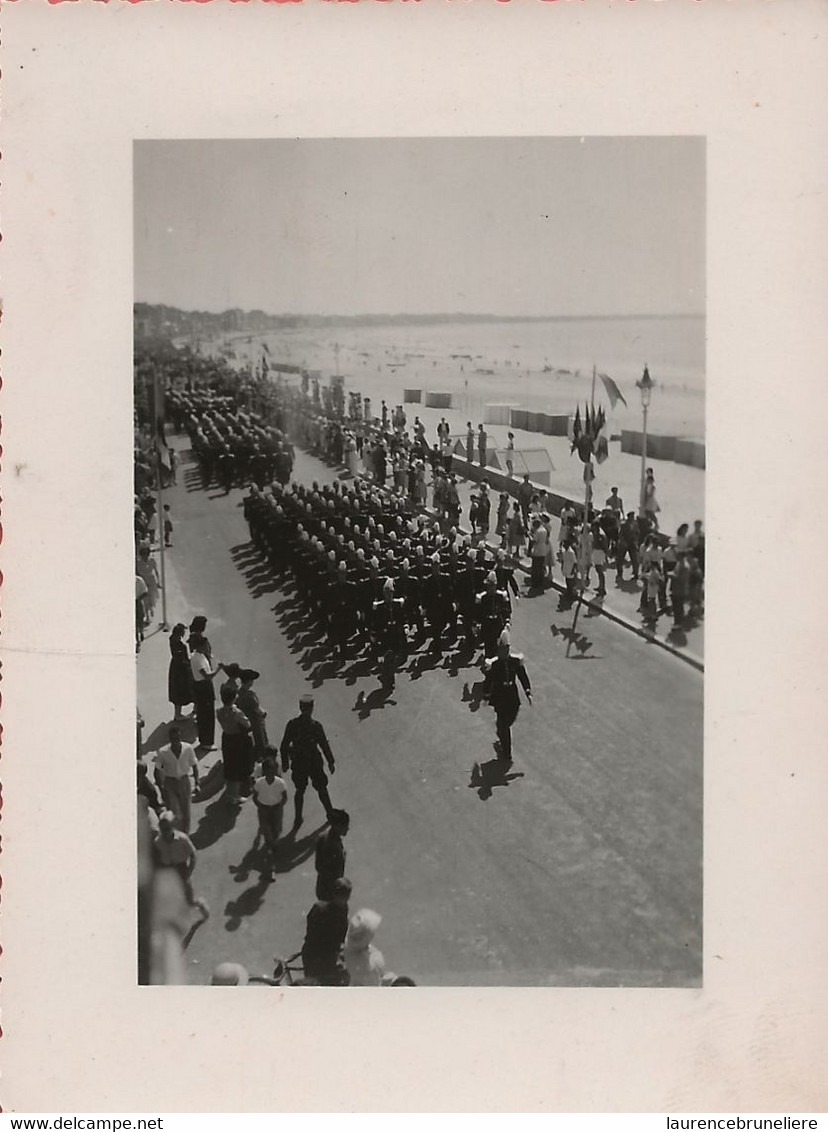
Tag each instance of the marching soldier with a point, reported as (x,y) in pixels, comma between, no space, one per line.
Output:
(494,611)
(388,626)
(506,671)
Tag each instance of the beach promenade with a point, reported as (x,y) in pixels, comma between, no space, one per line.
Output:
(581,865)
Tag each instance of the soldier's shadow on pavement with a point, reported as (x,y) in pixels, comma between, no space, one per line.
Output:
(376,700)
(578,641)
(218,819)
(486,776)
(193,480)
(474,694)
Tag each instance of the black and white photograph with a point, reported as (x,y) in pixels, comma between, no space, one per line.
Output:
(420,560)
(445,378)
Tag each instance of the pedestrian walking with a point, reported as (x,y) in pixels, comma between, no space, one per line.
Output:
(303,746)
(505,672)
(176,771)
(172,849)
(270,795)
(329,856)
(179,675)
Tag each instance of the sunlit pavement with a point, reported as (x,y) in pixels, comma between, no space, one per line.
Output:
(580,866)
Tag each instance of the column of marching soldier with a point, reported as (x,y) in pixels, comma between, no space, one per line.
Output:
(376,575)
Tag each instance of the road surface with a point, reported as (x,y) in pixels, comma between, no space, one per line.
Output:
(582,866)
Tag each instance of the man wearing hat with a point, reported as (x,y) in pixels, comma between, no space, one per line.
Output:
(505,672)
(303,745)
(248,701)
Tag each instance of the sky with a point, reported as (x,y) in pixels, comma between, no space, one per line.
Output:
(505,226)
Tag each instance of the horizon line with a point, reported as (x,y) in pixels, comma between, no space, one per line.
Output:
(430,315)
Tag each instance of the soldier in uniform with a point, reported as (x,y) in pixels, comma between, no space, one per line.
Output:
(436,602)
(505,672)
(303,746)
(494,612)
(388,624)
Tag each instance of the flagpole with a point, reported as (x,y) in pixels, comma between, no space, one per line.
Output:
(158,426)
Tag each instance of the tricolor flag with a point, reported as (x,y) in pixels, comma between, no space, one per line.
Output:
(613,392)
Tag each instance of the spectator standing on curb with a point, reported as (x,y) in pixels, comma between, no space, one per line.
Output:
(524,498)
(469,442)
(516,531)
(650,504)
(204,693)
(140,610)
(540,541)
(510,455)
(236,746)
(482,445)
(248,701)
(179,676)
(599,559)
(502,522)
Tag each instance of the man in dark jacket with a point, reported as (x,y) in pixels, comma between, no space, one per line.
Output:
(326,928)
(303,745)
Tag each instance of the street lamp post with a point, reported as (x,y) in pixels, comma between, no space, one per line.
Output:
(645,385)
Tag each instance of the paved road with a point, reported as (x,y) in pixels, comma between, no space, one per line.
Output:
(582,866)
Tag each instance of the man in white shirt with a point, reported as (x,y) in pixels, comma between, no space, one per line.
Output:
(173,766)
(270,794)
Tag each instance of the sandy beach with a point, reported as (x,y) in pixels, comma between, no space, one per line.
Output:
(532,365)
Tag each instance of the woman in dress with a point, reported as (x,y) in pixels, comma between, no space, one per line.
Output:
(650,503)
(248,702)
(180,676)
(236,746)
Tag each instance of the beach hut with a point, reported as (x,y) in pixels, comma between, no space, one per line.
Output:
(412,396)
(498,414)
(437,400)
(690,452)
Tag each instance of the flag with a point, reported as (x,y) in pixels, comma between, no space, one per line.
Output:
(576,430)
(613,392)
